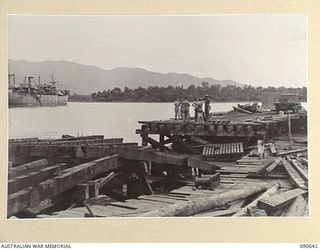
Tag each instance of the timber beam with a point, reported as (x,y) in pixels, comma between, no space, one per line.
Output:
(279,201)
(181,160)
(294,175)
(76,151)
(27,167)
(155,144)
(32,178)
(184,144)
(68,179)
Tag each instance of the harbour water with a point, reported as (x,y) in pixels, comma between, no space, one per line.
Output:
(108,119)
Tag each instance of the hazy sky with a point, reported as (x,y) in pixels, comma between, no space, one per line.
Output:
(266,50)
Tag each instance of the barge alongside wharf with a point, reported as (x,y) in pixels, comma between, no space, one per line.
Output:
(204,169)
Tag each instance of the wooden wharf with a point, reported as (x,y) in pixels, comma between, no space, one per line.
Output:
(229,127)
(188,167)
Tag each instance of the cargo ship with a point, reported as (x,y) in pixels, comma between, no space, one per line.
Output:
(32,94)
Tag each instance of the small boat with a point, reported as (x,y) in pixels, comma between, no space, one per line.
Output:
(248,108)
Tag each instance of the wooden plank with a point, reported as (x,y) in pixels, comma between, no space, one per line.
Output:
(90,141)
(271,167)
(278,201)
(189,190)
(80,138)
(165,158)
(21,140)
(65,214)
(146,184)
(248,160)
(118,180)
(28,167)
(199,140)
(303,160)
(264,165)
(160,199)
(295,151)
(186,145)
(48,151)
(32,178)
(57,185)
(294,175)
(204,150)
(153,156)
(194,162)
(106,179)
(147,203)
(300,169)
(211,150)
(272,149)
(105,210)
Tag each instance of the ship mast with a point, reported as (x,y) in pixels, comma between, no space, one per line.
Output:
(53,81)
(13,76)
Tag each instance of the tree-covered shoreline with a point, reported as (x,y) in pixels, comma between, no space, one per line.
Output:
(170,93)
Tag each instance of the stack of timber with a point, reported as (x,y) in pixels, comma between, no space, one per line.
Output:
(219,150)
(45,172)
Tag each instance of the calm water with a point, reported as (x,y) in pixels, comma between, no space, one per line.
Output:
(109,119)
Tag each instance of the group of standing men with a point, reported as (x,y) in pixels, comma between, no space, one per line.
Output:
(182,109)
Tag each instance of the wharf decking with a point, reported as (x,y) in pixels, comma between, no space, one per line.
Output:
(228,124)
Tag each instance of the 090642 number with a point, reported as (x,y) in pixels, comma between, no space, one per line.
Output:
(308,246)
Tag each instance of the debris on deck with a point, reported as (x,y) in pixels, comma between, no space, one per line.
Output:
(182,175)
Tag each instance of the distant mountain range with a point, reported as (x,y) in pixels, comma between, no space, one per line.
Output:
(86,79)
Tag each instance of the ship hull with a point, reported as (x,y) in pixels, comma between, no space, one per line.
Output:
(31,100)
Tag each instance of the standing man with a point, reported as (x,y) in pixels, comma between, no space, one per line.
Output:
(206,107)
(185,105)
(198,111)
(177,112)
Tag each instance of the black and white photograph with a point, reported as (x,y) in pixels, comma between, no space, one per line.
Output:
(144,116)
